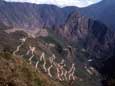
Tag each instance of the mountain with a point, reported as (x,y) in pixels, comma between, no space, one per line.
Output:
(103,11)
(84,37)
(17,65)
(74,26)
(94,36)
(96,11)
(18,14)
(91,34)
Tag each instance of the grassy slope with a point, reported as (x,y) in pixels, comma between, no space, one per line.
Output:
(14,71)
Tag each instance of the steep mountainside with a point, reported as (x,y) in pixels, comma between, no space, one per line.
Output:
(30,15)
(17,72)
(13,56)
(103,11)
(94,36)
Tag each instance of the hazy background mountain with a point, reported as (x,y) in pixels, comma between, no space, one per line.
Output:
(103,11)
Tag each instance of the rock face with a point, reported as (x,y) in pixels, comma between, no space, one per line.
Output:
(93,35)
